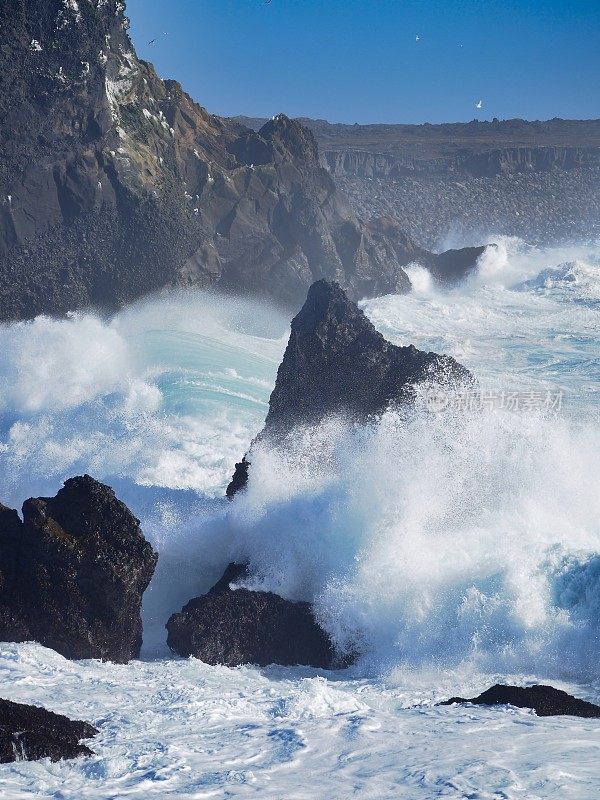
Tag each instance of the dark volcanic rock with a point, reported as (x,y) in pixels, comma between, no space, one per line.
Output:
(237,626)
(28,733)
(239,479)
(72,574)
(114,183)
(454,265)
(337,363)
(546,701)
(447,268)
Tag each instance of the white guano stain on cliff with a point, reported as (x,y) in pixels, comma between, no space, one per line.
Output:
(119,86)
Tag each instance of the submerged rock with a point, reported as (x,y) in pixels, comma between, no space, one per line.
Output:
(28,733)
(337,363)
(546,701)
(73,573)
(238,626)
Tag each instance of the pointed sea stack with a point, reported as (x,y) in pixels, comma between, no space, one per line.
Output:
(73,573)
(337,363)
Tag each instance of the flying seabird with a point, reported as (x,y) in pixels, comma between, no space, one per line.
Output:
(153,41)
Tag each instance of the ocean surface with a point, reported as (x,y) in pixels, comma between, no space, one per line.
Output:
(452,547)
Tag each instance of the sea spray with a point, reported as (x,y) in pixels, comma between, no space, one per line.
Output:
(434,538)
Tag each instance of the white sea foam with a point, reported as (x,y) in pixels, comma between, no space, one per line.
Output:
(167,393)
(450,550)
(179,728)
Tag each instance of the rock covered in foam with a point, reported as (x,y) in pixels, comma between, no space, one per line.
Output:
(28,733)
(72,574)
(337,363)
(546,701)
(237,626)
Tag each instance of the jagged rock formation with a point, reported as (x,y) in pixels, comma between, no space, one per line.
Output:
(337,363)
(73,572)
(114,183)
(546,701)
(237,626)
(28,733)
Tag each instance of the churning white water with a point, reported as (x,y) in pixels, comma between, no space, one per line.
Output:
(450,548)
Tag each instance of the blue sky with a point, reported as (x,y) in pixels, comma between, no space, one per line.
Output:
(359,60)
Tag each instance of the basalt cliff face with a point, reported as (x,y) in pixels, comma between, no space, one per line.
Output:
(114,183)
(485,164)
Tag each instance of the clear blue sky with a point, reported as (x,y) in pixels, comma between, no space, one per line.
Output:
(359,61)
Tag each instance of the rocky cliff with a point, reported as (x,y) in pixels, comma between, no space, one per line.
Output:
(537,180)
(114,183)
(485,164)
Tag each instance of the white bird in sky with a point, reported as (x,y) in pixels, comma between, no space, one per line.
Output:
(417,38)
(479,104)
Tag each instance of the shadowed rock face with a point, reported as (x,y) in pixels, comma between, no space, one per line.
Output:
(28,733)
(72,574)
(337,363)
(238,626)
(454,265)
(115,183)
(546,701)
